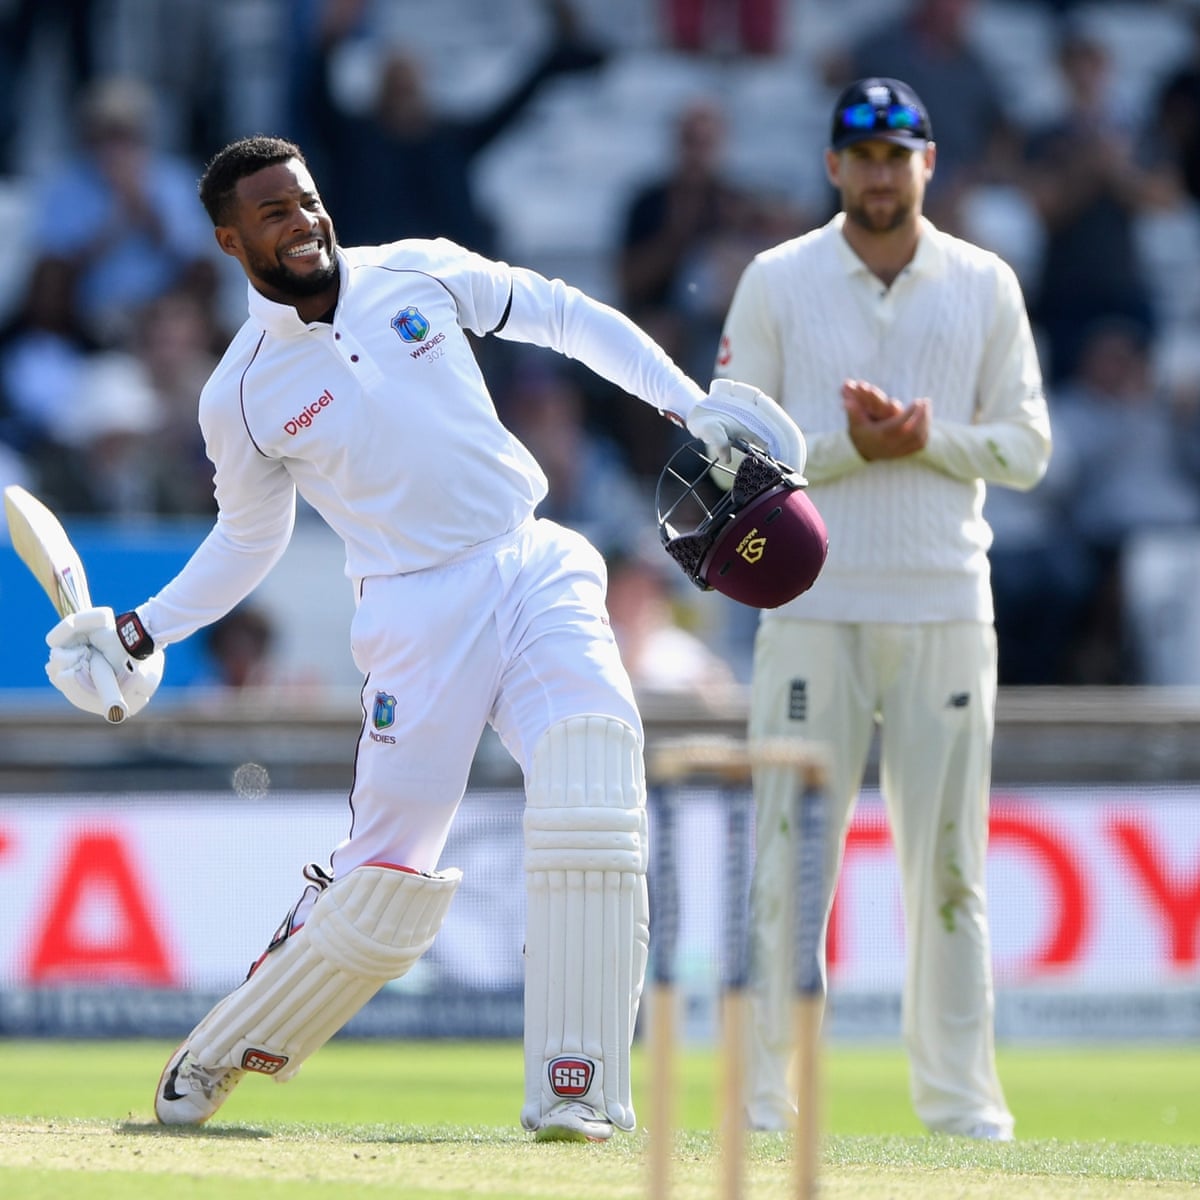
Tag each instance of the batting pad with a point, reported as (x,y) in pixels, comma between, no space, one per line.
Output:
(365,929)
(587,930)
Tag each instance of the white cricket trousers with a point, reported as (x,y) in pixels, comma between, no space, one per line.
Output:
(932,687)
(513,632)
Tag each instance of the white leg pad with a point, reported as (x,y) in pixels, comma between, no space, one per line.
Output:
(365,929)
(587,924)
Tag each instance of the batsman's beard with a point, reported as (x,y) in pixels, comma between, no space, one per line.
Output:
(284,281)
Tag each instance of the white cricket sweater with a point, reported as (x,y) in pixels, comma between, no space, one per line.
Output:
(382,421)
(907,538)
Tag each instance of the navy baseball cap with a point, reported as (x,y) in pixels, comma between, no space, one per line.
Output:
(885,109)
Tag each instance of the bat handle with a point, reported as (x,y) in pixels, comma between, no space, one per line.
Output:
(108,689)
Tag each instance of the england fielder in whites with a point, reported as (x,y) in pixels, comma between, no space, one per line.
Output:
(907,357)
(353,383)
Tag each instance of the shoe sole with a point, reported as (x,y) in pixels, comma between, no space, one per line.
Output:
(569,1133)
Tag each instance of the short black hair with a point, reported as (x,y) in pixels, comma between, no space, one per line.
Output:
(239,159)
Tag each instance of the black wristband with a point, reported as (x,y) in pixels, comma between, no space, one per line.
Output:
(133,635)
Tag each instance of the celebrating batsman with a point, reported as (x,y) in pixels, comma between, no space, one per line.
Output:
(353,383)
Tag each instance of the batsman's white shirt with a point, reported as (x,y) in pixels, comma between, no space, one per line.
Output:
(469,609)
(382,420)
(898,624)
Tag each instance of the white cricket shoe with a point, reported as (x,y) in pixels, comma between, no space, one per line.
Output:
(573,1121)
(188,1094)
(990,1131)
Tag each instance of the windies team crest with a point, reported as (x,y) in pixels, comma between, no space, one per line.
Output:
(383,716)
(410,324)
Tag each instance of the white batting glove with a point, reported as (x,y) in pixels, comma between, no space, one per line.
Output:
(739,410)
(72,643)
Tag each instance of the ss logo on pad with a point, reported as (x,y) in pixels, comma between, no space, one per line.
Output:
(570,1076)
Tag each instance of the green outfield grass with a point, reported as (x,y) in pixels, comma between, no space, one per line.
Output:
(439,1119)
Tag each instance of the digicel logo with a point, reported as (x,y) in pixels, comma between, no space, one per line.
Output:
(305,417)
(69,945)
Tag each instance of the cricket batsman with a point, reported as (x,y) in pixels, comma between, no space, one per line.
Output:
(353,384)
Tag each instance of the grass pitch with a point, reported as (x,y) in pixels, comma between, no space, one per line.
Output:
(438,1121)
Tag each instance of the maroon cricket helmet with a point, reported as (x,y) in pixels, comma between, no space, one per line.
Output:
(747,530)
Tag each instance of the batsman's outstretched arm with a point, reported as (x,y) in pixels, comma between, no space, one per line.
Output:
(256,503)
(554,314)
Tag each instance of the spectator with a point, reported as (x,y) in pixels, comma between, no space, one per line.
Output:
(591,488)
(78,411)
(1175,116)
(123,213)
(24,24)
(245,653)
(175,339)
(1089,187)
(108,465)
(687,237)
(929,46)
(688,234)
(659,651)
(704,26)
(1043,574)
(239,649)
(1170,238)
(402,168)
(1130,475)
(44,354)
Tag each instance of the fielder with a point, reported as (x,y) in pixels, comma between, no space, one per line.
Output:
(353,383)
(907,357)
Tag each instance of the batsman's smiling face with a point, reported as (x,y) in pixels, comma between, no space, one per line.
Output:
(283,237)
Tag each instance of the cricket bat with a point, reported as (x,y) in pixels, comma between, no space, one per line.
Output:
(42,545)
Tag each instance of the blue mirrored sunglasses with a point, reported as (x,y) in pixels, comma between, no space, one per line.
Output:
(895,116)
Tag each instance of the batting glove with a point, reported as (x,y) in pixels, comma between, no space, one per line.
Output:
(72,643)
(739,410)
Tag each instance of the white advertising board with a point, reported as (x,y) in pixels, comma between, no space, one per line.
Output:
(1093,892)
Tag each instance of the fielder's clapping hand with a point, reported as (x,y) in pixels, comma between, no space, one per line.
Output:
(739,410)
(880,426)
(76,638)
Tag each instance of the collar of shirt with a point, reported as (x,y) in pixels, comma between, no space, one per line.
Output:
(928,260)
(282,320)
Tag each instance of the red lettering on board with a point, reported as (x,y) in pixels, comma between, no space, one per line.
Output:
(97,875)
(1068,900)
(1177,902)
(866,833)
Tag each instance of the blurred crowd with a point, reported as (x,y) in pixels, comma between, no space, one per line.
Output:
(118,303)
